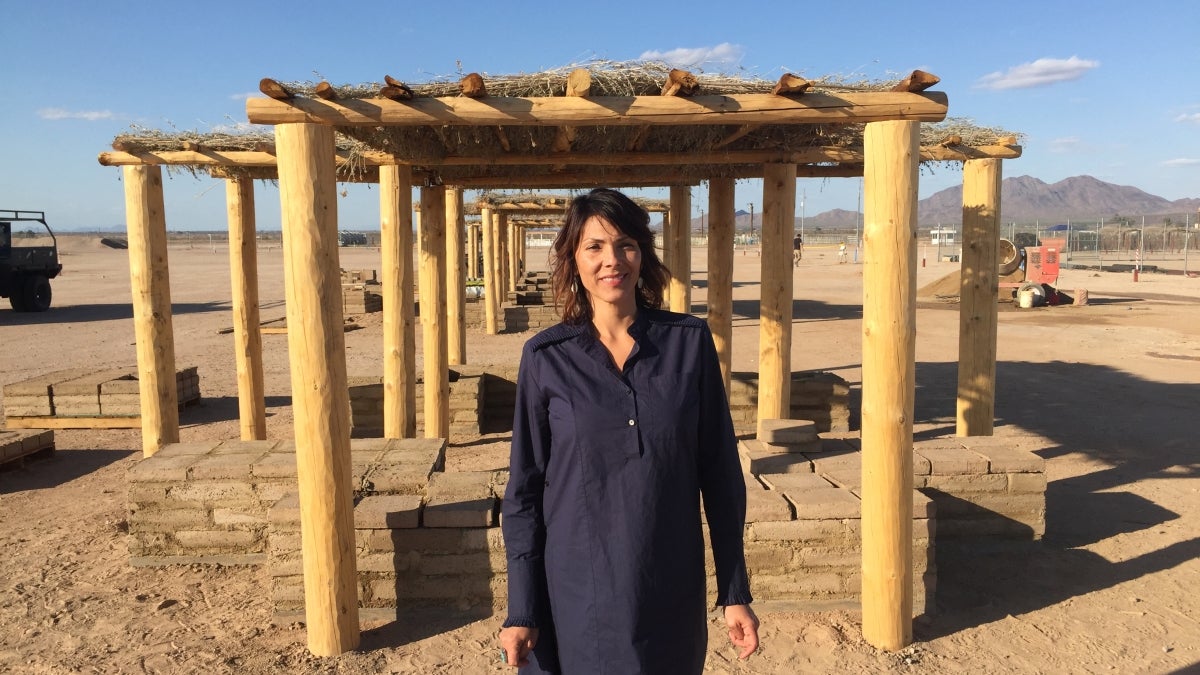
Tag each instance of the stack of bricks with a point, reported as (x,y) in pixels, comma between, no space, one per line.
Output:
(466,399)
(983,487)
(81,392)
(811,550)
(533,289)
(17,446)
(820,397)
(209,502)
(361,292)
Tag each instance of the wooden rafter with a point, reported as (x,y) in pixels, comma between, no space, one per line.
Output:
(736,135)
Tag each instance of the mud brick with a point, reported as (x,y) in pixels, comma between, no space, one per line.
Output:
(454,512)
(32,441)
(948,461)
(826,503)
(124,385)
(160,468)
(766,505)
(829,531)
(847,557)
(275,465)
(1011,460)
(224,466)
(795,481)
(1027,482)
(430,452)
(422,540)
(285,512)
(147,493)
(258,448)
(402,479)
(239,540)
(465,484)
(224,492)
(252,516)
(180,449)
(466,564)
(757,458)
(388,511)
(764,558)
(81,405)
(167,520)
(995,526)
(803,585)
(961,484)
(27,406)
(1015,506)
(786,432)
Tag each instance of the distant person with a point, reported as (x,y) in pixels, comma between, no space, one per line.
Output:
(842,252)
(797,250)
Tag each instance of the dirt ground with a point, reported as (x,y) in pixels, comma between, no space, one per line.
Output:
(1111,588)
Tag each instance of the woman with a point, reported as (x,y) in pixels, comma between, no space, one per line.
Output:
(621,426)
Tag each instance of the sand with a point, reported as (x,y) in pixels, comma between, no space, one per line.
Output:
(1111,587)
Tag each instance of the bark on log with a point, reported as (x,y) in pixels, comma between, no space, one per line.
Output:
(791,84)
(325,91)
(472,86)
(579,82)
(918,80)
(680,83)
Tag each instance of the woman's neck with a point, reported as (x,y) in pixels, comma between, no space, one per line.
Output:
(611,321)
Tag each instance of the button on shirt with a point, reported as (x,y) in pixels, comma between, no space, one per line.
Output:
(602,519)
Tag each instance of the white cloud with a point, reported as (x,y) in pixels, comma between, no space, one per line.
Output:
(64,114)
(724,54)
(1066,144)
(1194,118)
(1038,73)
(1182,161)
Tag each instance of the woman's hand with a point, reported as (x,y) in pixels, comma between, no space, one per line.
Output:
(518,641)
(743,628)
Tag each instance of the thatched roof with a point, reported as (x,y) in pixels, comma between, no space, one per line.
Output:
(634,124)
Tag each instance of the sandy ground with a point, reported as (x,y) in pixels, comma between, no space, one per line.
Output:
(1111,587)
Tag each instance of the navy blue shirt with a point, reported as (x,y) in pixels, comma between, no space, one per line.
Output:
(601,519)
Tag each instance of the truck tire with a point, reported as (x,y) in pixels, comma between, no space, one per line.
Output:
(17,299)
(36,293)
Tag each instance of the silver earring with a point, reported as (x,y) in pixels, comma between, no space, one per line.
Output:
(641,282)
(575,286)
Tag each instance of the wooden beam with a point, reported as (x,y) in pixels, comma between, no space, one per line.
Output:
(502,139)
(52,422)
(640,178)
(579,82)
(978,295)
(325,91)
(150,284)
(888,367)
(638,140)
(320,394)
(812,108)
(563,138)
(247,338)
(736,135)
(395,89)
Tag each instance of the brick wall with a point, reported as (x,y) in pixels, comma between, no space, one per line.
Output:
(87,392)
(467,393)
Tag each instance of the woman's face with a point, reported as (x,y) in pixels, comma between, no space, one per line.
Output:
(608,262)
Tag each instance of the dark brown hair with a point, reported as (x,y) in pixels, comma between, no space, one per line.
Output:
(632,221)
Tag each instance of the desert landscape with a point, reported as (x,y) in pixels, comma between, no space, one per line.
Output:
(1111,587)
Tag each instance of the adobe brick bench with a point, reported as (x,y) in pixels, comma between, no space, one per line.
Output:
(18,446)
(467,392)
(85,398)
(985,486)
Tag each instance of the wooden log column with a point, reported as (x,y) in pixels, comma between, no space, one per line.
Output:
(501,237)
(320,397)
(150,283)
(456,279)
(473,250)
(514,253)
(888,377)
(720,271)
(433,312)
(775,322)
(399,334)
(977,311)
(680,244)
(487,228)
(247,337)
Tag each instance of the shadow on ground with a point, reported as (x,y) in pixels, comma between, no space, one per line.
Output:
(1138,429)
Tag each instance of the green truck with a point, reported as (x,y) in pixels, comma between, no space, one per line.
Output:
(28,260)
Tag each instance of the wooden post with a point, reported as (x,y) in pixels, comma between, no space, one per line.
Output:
(720,271)
(433,312)
(775,322)
(888,376)
(150,282)
(487,228)
(977,310)
(473,251)
(680,244)
(247,338)
(514,268)
(399,334)
(456,280)
(501,229)
(668,233)
(320,396)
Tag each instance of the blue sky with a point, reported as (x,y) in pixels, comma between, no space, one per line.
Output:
(1110,90)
